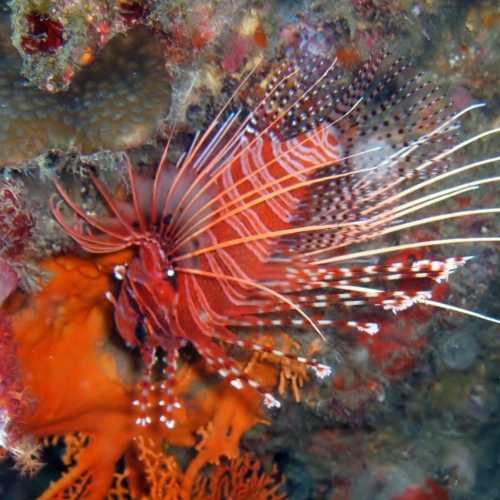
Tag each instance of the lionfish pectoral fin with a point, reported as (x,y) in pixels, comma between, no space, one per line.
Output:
(228,369)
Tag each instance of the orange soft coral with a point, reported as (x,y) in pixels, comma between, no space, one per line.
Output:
(83,382)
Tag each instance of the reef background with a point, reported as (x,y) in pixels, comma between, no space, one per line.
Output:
(441,421)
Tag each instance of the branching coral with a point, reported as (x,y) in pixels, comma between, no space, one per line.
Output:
(163,474)
(239,479)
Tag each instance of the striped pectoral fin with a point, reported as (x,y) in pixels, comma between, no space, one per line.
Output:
(398,284)
(220,362)
(278,323)
(410,284)
(229,370)
(311,277)
(228,337)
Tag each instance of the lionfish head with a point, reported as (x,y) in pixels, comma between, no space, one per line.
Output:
(147,298)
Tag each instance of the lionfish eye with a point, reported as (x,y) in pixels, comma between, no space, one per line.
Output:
(171,276)
(141,334)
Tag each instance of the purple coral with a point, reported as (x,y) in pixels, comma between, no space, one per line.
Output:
(14,401)
(16,223)
(8,281)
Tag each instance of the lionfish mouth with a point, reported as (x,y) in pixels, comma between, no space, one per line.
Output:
(262,215)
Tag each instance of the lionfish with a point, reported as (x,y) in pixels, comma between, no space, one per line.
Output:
(252,228)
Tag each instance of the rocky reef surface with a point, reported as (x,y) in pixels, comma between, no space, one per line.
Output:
(411,414)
